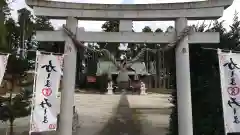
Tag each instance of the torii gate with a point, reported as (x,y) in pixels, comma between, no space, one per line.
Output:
(179,12)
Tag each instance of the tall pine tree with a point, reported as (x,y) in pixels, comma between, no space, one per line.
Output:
(205,82)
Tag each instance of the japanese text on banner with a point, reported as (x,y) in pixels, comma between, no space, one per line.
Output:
(45,108)
(229,64)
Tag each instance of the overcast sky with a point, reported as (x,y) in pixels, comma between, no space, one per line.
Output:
(96,25)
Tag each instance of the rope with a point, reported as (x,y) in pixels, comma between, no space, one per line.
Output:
(139,55)
(186,32)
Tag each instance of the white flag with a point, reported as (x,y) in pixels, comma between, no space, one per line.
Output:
(3,63)
(229,65)
(45,105)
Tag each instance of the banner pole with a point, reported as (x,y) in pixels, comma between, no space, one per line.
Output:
(34,90)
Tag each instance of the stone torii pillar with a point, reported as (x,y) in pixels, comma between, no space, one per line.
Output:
(69,70)
(184,101)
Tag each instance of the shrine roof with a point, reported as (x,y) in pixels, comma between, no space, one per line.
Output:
(108,66)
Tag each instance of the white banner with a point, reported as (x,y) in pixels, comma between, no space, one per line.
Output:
(3,63)
(45,105)
(229,65)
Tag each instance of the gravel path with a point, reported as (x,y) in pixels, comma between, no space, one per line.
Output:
(153,112)
(116,115)
(123,122)
(94,111)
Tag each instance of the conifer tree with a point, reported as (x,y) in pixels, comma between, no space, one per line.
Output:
(205,82)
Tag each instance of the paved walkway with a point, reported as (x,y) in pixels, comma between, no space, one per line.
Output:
(117,115)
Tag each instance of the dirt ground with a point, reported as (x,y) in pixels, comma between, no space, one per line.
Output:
(121,114)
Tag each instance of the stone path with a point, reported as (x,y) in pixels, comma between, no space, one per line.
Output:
(116,115)
(153,112)
(94,111)
(123,121)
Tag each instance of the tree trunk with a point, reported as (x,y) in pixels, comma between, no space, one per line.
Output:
(11,132)
(11,120)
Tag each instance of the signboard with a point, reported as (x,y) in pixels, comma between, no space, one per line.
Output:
(91,79)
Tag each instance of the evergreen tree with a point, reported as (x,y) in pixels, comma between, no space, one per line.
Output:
(4,12)
(19,34)
(44,24)
(13,107)
(205,83)
(110,26)
(158,30)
